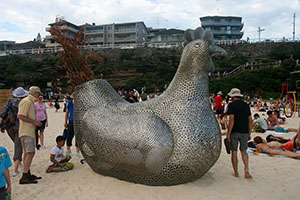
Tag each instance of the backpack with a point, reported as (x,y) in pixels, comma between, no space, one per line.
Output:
(9,120)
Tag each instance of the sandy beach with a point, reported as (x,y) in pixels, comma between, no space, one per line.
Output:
(273,177)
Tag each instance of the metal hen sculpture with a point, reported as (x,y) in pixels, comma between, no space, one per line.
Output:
(172,139)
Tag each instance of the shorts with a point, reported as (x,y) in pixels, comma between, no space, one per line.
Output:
(3,193)
(219,112)
(42,128)
(290,146)
(239,137)
(28,144)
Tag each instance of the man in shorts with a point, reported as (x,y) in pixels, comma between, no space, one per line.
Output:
(239,129)
(28,124)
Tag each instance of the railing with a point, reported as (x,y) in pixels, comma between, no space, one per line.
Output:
(56,48)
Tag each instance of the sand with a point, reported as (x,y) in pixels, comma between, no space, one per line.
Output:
(273,178)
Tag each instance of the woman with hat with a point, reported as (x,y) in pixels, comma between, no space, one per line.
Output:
(12,105)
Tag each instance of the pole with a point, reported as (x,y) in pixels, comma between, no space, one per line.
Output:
(294,22)
(259,30)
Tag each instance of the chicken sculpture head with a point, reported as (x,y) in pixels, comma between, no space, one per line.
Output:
(172,139)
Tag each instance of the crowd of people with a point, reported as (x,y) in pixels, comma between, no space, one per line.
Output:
(234,116)
(24,118)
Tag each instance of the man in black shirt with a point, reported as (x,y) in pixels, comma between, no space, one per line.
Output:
(131,98)
(239,129)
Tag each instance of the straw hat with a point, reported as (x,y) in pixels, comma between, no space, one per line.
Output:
(34,89)
(220,93)
(19,92)
(235,92)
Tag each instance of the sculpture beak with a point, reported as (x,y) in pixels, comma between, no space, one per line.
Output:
(216,50)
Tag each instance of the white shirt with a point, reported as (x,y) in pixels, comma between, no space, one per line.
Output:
(58,152)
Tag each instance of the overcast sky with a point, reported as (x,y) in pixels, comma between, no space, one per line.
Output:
(21,20)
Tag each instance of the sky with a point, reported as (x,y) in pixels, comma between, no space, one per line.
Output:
(22,20)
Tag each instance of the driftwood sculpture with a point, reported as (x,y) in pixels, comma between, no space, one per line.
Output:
(172,139)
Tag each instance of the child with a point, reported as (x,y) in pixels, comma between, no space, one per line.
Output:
(5,163)
(58,163)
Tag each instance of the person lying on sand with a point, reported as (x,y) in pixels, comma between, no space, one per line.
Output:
(273,148)
(289,145)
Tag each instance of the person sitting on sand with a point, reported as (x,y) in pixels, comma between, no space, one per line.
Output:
(281,120)
(259,124)
(58,161)
(223,121)
(272,119)
(273,148)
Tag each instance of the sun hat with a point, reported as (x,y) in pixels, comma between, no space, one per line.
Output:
(220,93)
(34,89)
(235,92)
(19,92)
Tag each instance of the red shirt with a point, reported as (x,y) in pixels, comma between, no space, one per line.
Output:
(218,102)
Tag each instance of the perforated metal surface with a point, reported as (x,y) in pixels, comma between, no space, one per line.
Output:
(172,139)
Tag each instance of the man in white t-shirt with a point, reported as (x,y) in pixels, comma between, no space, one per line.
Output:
(260,122)
(58,162)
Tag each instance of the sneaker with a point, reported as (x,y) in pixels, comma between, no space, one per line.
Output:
(20,165)
(44,147)
(38,147)
(27,181)
(68,152)
(77,155)
(34,177)
(16,174)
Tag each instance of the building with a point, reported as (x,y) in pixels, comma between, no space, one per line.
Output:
(130,34)
(223,27)
(4,45)
(68,29)
(165,38)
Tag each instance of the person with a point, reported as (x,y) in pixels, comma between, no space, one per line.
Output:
(56,104)
(289,145)
(69,125)
(57,161)
(13,132)
(218,104)
(131,98)
(41,115)
(272,119)
(239,129)
(5,163)
(281,120)
(260,123)
(28,124)
(223,121)
(273,148)
(279,139)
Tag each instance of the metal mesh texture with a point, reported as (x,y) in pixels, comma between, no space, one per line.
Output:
(172,139)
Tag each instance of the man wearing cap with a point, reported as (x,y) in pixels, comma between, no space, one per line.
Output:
(218,104)
(12,105)
(28,124)
(239,129)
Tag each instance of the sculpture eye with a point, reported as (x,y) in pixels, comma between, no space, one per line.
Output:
(197,45)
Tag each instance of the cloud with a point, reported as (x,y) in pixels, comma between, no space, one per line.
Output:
(32,16)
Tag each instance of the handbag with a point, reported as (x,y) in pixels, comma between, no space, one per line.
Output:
(8,121)
(65,133)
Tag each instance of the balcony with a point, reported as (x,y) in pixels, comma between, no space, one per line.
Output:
(224,32)
(125,39)
(125,30)
(210,24)
(65,27)
(93,32)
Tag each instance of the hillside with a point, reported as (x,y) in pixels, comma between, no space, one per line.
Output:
(156,67)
